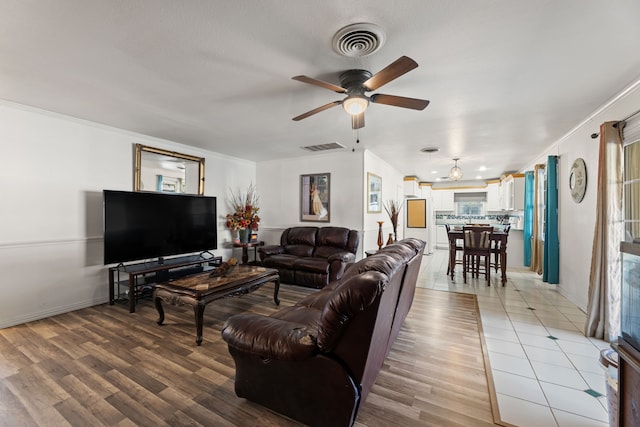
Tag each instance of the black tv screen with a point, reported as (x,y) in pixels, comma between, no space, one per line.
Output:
(139,226)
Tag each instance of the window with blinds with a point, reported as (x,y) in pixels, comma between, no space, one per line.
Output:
(631,180)
(470,203)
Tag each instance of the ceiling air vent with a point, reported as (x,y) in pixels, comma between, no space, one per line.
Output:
(430,150)
(323,147)
(358,40)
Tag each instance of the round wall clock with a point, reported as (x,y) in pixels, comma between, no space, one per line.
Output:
(578,180)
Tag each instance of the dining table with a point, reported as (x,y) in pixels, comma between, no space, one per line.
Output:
(499,238)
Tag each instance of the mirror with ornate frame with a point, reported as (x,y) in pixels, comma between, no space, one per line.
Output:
(166,171)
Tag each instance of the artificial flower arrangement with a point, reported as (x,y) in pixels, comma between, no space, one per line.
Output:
(393,209)
(245,210)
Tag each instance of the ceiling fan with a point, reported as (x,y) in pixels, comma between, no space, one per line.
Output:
(354,83)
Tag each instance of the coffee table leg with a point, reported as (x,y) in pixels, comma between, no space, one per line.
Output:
(198,310)
(275,291)
(158,302)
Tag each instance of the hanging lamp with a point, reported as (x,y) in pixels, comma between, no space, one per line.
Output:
(455,173)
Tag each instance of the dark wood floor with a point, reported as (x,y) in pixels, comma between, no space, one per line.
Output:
(104,366)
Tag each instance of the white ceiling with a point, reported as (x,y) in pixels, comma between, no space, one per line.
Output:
(506,78)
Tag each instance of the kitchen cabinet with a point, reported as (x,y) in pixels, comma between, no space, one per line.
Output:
(442,239)
(442,200)
(506,193)
(518,193)
(411,187)
(493,196)
(512,192)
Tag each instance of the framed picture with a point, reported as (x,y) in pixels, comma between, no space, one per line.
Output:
(315,197)
(374,193)
(416,213)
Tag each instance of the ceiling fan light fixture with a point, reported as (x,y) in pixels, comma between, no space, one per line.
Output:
(455,173)
(355,104)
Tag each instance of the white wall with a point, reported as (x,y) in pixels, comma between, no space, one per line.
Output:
(278,184)
(392,189)
(427,234)
(577,221)
(54,170)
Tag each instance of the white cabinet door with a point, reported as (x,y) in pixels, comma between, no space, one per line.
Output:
(506,193)
(442,240)
(518,193)
(447,200)
(411,188)
(493,197)
(436,199)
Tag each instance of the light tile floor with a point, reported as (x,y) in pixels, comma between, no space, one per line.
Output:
(545,371)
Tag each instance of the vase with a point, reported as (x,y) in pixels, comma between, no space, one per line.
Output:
(390,240)
(380,241)
(244,235)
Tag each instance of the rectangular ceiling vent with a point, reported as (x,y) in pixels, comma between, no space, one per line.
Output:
(323,147)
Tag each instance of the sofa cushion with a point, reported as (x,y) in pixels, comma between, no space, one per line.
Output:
(326,251)
(353,296)
(299,250)
(317,299)
(280,261)
(405,251)
(299,236)
(332,236)
(269,337)
(308,316)
(386,263)
(312,264)
(338,237)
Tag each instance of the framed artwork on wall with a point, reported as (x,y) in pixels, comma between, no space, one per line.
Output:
(315,197)
(416,213)
(374,193)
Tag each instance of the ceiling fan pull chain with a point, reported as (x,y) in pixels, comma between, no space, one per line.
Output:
(353,149)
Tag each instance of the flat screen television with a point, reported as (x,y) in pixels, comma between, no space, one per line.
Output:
(139,226)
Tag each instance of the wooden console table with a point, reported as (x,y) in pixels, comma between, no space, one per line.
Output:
(155,268)
(201,289)
(245,250)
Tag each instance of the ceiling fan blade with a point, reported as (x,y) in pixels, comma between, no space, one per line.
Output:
(357,121)
(400,66)
(323,84)
(399,101)
(316,110)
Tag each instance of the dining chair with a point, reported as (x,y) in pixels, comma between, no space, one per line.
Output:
(497,248)
(477,248)
(455,247)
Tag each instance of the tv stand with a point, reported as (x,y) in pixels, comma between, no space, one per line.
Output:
(151,272)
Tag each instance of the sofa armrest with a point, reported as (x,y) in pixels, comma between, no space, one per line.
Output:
(266,251)
(269,337)
(346,257)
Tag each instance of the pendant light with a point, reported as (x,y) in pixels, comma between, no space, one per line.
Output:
(455,173)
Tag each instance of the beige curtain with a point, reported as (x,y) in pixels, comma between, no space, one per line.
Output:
(603,309)
(537,244)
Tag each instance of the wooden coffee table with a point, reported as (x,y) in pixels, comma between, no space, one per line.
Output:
(201,289)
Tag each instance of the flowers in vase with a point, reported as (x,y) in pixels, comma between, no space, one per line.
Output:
(245,210)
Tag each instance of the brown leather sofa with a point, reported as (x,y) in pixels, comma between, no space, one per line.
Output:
(317,360)
(311,256)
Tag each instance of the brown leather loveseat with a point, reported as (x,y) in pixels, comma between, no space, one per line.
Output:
(311,256)
(317,360)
